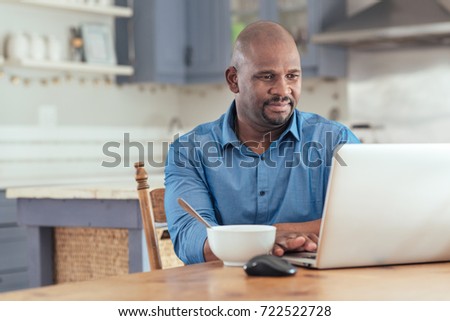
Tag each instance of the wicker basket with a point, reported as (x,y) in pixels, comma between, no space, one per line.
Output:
(82,254)
(168,257)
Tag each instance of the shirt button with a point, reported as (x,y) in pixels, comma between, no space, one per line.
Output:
(262,193)
(262,158)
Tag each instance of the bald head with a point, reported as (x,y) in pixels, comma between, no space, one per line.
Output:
(261,33)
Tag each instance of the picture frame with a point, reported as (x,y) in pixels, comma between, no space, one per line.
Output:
(98,44)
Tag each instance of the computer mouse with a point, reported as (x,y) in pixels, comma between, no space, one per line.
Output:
(269,265)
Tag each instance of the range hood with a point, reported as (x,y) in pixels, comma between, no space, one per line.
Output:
(392,22)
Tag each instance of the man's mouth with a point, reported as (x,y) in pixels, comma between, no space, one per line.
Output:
(279,105)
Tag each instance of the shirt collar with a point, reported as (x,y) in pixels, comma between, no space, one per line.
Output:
(293,126)
(229,136)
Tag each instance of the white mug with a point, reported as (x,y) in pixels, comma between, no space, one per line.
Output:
(54,48)
(37,47)
(18,46)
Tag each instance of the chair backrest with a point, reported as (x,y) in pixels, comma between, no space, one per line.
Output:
(157,205)
(148,219)
(160,248)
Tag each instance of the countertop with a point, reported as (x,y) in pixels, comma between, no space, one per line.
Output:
(118,188)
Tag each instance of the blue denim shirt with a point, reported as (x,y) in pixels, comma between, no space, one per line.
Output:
(227,183)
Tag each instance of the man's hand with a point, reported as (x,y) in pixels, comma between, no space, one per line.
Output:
(287,241)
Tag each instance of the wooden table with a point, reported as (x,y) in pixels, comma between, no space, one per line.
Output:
(97,205)
(213,281)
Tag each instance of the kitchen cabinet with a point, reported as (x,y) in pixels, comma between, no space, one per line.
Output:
(303,18)
(70,66)
(189,41)
(13,248)
(175,41)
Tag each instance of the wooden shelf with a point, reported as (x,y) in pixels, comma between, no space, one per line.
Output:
(115,11)
(71,66)
(292,8)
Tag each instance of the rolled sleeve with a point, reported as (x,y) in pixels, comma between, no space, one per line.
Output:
(183,180)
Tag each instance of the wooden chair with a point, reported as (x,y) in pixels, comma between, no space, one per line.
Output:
(152,211)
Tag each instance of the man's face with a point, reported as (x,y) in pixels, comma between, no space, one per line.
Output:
(269,84)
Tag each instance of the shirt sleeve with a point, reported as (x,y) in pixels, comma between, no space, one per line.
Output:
(184,178)
(346,136)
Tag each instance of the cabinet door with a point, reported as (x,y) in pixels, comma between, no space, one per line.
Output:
(208,49)
(13,247)
(175,41)
(153,41)
(332,59)
(13,258)
(170,40)
(8,210)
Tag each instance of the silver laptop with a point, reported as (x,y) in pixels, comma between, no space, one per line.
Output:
(388,204)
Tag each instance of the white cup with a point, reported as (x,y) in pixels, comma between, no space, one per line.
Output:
(54,48)
(38,50)
(18,46)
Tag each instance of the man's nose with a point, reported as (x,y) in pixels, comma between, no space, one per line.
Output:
(281,88)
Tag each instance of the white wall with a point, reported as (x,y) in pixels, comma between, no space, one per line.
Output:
(406,91)
(203,103)
(87,104)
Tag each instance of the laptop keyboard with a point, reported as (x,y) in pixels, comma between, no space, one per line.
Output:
(306,255)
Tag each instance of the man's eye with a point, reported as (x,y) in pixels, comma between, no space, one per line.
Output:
(293,76)
(267,77)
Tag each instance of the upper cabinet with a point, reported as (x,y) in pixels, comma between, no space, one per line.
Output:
(190,41)
(175,41)
(303,18)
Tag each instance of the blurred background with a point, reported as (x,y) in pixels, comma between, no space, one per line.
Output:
(63,97)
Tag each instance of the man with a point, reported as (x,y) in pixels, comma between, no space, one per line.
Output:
(262,162)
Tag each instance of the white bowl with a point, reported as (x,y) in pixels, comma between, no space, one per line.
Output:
(236,244)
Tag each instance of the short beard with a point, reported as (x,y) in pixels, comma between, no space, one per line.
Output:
(281,120)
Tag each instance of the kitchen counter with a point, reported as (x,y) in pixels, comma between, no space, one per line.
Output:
(107,211)
(107,189)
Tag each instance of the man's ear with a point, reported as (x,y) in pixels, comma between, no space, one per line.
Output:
(231,77)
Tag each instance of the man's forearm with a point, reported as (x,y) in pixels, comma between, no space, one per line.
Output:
(305,227)
(207,253)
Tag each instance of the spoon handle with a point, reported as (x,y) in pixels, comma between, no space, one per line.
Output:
(188,208)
